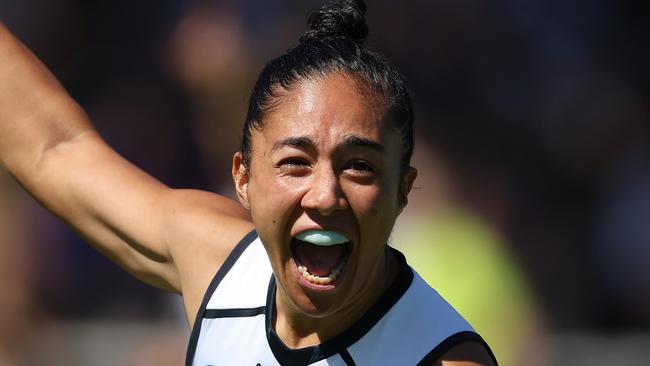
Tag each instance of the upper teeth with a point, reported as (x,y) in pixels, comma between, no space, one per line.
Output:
(322,237)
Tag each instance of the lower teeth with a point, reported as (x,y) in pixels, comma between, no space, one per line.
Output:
(321,280)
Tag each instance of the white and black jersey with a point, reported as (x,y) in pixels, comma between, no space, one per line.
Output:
(411,324)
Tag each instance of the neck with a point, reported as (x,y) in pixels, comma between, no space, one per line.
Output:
(297,329)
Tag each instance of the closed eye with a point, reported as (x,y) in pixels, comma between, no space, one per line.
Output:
(361,168)
(293,162)
(293,166)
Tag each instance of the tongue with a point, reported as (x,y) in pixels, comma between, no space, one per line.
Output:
(319,260)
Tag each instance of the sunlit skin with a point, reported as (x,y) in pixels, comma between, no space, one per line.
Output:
(325,159)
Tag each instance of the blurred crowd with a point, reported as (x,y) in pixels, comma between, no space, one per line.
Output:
(531,213)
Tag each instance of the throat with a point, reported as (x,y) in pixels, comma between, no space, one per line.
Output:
(295,329)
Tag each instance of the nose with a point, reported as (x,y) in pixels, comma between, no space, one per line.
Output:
(324,194)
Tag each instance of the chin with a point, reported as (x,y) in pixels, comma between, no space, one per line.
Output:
(315,301)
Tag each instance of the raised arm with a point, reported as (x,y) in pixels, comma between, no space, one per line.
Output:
(172,239)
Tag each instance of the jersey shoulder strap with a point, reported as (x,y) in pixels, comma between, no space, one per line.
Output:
(240,285)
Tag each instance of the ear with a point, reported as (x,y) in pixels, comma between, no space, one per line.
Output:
(405,186)
(240,176)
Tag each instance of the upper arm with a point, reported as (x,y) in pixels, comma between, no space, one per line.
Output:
(163,236)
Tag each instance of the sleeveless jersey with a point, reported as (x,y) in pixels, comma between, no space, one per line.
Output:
(411,324)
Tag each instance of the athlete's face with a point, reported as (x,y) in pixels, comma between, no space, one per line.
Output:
(325,160)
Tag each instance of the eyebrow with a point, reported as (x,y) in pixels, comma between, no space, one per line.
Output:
(298,142)
(306,142)
(355,141)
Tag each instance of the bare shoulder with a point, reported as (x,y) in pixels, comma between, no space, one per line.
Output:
(469,353)
(201,229)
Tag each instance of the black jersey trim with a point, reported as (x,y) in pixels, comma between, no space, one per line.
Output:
(218,277)
(233,313)
(452,341)
(340,343)
(345,355)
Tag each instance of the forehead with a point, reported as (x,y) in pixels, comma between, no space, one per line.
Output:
(326,108)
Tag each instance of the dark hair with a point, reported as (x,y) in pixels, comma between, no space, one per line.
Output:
(333,42)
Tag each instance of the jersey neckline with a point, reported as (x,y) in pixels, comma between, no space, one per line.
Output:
(340,343)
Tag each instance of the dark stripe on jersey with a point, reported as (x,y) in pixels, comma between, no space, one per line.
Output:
(218,277)
(340,343)
(233,313)
(452,341)
(345,355)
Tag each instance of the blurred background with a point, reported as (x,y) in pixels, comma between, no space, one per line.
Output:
(531,213)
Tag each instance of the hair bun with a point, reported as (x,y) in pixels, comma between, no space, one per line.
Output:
(339,18)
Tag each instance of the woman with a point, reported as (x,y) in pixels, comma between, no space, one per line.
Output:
(322,174)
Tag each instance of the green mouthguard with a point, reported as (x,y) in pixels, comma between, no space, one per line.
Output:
(322,237)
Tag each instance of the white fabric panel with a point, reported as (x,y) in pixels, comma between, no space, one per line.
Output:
(234,341)
(418,321)
(248,279)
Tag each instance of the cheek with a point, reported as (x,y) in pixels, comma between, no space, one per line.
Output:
(368,202)
(376,208)
(272,200)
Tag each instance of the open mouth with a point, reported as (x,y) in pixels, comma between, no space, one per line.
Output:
(320,255)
